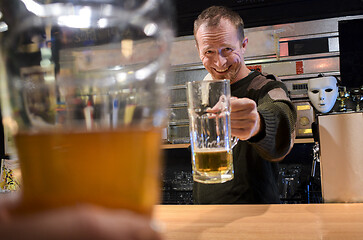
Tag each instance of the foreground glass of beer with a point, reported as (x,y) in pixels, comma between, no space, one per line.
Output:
(83,89)
(210,130)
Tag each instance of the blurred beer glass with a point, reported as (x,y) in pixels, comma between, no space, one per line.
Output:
(210,130)
(83,90)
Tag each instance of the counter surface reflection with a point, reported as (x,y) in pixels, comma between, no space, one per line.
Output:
(280,221)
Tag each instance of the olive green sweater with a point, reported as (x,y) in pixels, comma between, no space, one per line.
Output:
(255,167)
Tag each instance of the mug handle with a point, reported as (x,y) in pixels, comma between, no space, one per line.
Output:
(234,141)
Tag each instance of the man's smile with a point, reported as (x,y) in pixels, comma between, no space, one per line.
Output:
(221,70)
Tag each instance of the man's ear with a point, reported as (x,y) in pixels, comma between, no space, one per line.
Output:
(245,42)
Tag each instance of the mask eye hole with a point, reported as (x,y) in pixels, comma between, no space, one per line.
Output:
(328,90)
(315,91)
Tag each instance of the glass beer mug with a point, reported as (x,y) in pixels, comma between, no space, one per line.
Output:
(210,130)
(83,90)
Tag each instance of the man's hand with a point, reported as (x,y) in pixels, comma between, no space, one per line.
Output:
(77,222)
(245,120)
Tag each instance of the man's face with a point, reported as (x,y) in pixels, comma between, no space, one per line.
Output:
(221,51)
(323,93)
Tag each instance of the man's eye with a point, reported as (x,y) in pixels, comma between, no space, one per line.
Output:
(315,91)
(209,52)
(328,90)
(228,49)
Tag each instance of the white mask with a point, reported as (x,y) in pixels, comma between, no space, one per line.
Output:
(323,93)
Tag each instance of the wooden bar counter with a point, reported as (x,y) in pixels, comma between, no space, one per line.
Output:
(278,221)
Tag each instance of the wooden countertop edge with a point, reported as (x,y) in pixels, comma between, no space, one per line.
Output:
(304,140)
(173,146)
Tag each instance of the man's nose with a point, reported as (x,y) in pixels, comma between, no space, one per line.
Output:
(220,60)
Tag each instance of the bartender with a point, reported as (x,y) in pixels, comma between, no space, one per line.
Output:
(262,115)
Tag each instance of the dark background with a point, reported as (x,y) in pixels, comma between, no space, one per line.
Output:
(257,13)
(351,52)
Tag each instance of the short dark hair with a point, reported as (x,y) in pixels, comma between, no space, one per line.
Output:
(213,15)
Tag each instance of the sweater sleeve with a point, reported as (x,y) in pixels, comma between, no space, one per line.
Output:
(279,116)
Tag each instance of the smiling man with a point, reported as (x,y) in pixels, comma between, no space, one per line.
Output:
(262,115)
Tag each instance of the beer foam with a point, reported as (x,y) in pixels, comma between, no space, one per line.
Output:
(210,150)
